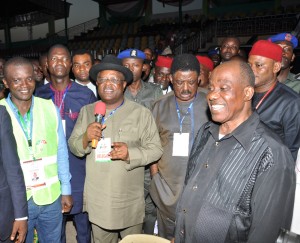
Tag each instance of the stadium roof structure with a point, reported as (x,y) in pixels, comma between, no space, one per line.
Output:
(16,13)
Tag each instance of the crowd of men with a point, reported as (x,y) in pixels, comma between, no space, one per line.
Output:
(193,148)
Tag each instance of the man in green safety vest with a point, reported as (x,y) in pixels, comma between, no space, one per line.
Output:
(42,150)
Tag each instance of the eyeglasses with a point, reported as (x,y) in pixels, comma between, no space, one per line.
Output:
(111,80)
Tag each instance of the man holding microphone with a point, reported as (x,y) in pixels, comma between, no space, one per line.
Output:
(115,177)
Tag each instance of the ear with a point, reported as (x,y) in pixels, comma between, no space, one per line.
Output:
(209,73)
(171,78)
(293,57)
(199,79)
(5,83)
(124,85)
(276,67)
(248,93)
(144,68)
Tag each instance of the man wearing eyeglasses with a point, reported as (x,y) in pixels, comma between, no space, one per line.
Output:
(230,47)
(178,115)
(128,140)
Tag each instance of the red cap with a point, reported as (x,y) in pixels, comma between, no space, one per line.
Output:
(100,108)
(206,61)
(163,61)
(267,49)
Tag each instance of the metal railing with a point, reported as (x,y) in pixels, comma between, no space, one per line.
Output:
(79,29)
(264,25)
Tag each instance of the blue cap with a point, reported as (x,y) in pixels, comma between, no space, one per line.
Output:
(285,37)
(132,53)
(213,52)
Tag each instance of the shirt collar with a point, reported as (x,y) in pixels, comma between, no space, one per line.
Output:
(243,133)
(12,105)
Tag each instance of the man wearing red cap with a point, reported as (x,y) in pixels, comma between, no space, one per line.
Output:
(277,104)
(206,67)
(162,73)
(178,116)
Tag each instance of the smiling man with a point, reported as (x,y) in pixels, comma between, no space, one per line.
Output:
(115,177)
(42,149)
(240,178)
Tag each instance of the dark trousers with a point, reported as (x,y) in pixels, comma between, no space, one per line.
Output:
(82,226)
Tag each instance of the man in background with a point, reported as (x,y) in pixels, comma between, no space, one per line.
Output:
(82,61)
(288,42)
(278,105)
(69,97)
(178,117)
(230,47)
(162,72)
(144,94)
(206,67)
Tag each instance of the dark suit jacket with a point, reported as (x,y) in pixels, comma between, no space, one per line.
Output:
(13,203)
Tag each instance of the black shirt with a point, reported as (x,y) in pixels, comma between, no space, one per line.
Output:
(239,188)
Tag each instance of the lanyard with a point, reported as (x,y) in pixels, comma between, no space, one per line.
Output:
(63,98)
(112,112)
(26,126)
(180,120)
(265,96)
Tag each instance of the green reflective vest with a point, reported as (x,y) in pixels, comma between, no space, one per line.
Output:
(44,149)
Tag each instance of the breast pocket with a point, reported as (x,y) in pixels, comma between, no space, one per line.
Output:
(129,136)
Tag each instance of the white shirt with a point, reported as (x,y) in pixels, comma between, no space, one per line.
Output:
(90,85)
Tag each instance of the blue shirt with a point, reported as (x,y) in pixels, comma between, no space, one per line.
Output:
(62,150)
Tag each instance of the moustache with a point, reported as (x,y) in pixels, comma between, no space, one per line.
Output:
(186,92)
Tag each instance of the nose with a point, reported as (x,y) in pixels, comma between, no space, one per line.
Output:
(212,95)
(185,86)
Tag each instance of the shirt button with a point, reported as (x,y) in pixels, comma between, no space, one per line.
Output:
(184,210)
(195,187)
(182,232)
(217,143)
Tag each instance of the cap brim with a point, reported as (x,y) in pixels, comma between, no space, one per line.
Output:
(110,66)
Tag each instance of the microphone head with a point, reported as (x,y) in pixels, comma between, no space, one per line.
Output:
(100,108)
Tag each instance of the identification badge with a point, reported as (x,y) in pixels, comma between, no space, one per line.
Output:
(102,151)
(34,173)
(181,144)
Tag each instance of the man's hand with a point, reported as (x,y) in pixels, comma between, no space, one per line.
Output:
(120,151)
(19,231)
(66,203)
(153,169)
(173,240)
(93,131)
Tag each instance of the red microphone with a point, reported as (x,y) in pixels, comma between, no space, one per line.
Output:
(99,112)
